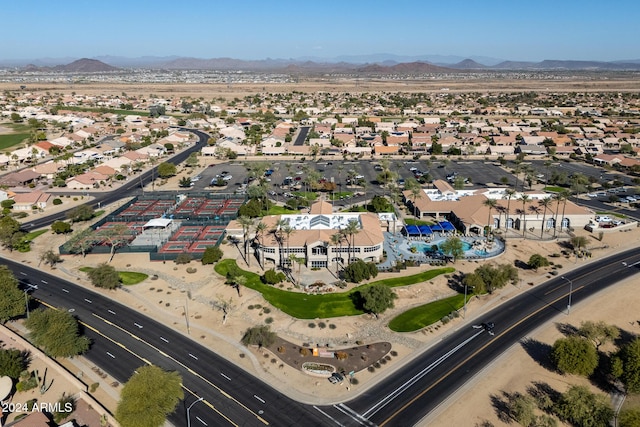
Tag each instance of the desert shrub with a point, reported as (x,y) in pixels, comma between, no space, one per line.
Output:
(341,355)
(183,259)
(282,349)
(304,351)
(57,202)
(191,270)
(271,277)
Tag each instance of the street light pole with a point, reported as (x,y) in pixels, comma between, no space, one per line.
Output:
(26,302)
(570,292)
(189,408)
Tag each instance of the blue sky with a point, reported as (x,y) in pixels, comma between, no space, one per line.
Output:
(252,29)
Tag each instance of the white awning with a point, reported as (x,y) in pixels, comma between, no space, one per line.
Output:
(158,222)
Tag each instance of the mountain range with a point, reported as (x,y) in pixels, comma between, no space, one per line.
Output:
(364,64)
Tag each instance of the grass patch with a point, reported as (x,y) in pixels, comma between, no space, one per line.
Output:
(12,139)
(109,110)
(303,306)
(309,195)
(34,234)
(425,315)
(412,221)
(131,277)
(279,210)
(127,278)
(554,189)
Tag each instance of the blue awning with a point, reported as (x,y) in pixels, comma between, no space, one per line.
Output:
(436,227)
(447,226)
(425,229)
(412,230)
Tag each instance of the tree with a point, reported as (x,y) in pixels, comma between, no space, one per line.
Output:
(628,362)
(536,261)
(184,182)
(80,213)
(546,202)
(359,270)
(148,397)
(166,170)
(582,408)
(13,362)
(50,257)
(578,242)
(452,246)
(335,240)
(381,204)
(351,230)
(416,191)
(508,194)
(491,204)
(104,276)
(192,160)
(629,418)
(80,242)
(261,229)
(9,228)
(56,332)
(524,198)
(211,255)
(575,355)
(262,336)
(377,298)
(598,332)
(61,227)
(12,303)
(271,277)
(116,237)
(246,224)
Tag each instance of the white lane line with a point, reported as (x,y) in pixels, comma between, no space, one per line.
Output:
(225,376)
(64,290)
(112,356)
(112,312)
(193,356)
(328,416)
(23,273)
(164,339)
(88,300)
(344,411)
(388,398)
(44,281)
(200,419)
(259,398)
(138,325)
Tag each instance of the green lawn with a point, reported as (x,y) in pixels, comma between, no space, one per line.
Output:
(34,234)
(425,315)
(309,195)
(25,245)
(616,214)
(554,189)
(280,210)
(9,140)
(143,113)
(412,221)
(126,277)
(303,306)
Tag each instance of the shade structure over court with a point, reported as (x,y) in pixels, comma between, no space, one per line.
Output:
(158,223)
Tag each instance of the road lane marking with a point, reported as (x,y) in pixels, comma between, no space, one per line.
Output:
(44,281)
(88,300)
(206,402)
(138,325)
(23,273)
(164,339)
(225,376)
(192,356)
(112,312)
(398,391)
(200,419)
(64,290)
(258,398)
(347,413)
(111,355)
(474,354)
(191,371)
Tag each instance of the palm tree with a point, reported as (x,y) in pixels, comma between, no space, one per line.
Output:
(351,230)
(565,197)
(524,198)
(288,230)
(261,228)
(336,239)
(491,204)
(246,224)
(546,202)
(414,188)
(508,194)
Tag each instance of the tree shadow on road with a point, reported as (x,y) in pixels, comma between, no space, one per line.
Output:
(566,329)
(540,352)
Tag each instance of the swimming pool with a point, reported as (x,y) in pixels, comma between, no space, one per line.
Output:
(426,247)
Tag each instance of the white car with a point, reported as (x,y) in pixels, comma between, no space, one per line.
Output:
(227,178)
(604,218)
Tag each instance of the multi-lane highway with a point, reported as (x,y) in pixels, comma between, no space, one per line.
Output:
(124,339)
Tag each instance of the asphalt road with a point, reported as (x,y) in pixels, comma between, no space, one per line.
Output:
(124,339)
(302,135)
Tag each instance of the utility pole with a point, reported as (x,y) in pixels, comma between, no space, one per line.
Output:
(570,292)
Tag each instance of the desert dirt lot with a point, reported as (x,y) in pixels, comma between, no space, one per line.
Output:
(360,85)
(166,297)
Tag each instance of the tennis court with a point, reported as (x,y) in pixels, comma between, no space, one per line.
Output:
(186,233)
(200,246)
(211,232)
(174,247)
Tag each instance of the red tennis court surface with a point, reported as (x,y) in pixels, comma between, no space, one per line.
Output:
(200,246)
(174,247)
(187,232)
